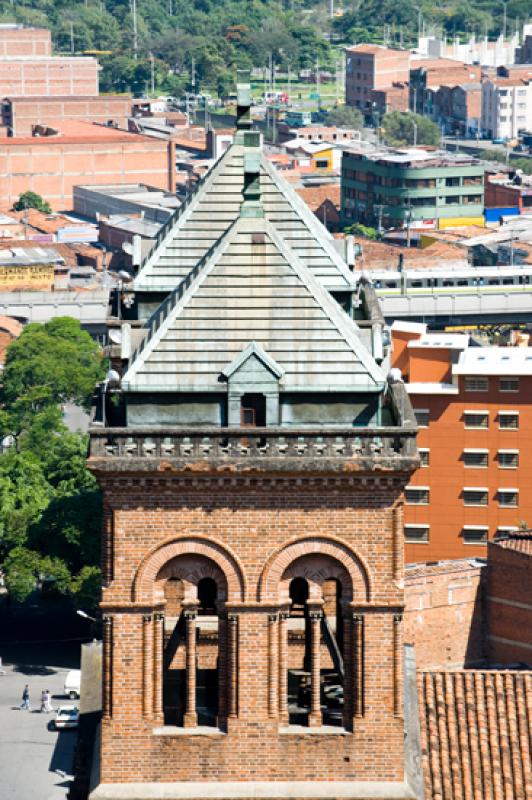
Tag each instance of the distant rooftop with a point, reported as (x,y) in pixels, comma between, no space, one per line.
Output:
(24,256)
(415,157)
(494,361)
(450,341)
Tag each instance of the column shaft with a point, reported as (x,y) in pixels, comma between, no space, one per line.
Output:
(315,718)
(283,668)
(397,665)
(273,672)
(107,667)
(158,634)
(232,666)
(147,666)
(191,717)
(358,664)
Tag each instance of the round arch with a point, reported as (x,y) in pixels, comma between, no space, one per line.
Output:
(280,561)
(189,546)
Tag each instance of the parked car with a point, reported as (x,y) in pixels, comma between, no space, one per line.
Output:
(66,717)
(73,684)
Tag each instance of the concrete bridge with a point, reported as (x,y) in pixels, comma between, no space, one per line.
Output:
(460,307)
(89,307)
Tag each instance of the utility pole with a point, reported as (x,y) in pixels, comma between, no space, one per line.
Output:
(415,133)
(135,30)
(71,37)
(152,60)
(331,8)
(193,75)
(504,2)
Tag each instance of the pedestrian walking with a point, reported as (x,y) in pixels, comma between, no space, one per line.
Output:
(48,702)
(25,705)
(43,702)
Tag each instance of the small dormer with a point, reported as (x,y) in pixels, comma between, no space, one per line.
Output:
(253,388)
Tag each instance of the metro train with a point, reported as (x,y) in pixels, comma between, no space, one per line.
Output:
(388,283)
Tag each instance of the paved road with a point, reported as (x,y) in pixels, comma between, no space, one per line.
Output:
(35,762)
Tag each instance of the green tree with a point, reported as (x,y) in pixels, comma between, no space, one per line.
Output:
(346,117)
(403,128)
(32,200)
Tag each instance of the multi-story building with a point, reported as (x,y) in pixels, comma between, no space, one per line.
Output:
(371,68)
(523,54)
(427,75)
(20,41)
(53,163)
(252,465)
(473,407)
(21,114)
(506,106)
(48,76)
(412,188)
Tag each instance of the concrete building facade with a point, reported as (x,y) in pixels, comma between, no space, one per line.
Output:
(411,187)
(506,107)
(472,407)
(252,569)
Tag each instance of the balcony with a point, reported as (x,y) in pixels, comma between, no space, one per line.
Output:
(277,449)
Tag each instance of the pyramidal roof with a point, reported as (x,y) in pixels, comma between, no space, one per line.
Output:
(253,291)
(208,213)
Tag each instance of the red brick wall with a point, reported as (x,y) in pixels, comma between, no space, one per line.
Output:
(509,605)
(444,614)
(499,196)
(258,520)
(27,77)
(52,168)
(27,112)
(25,42)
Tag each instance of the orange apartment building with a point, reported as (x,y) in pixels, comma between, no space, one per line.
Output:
(81,153)
(21,114)
(371,71)
(17,40)
(475,418)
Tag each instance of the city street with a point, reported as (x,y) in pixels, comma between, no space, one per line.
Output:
(35,762)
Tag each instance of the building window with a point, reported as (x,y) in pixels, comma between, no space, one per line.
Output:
(475,496)
(422,417)
(509,420)
(475,458)
(476,419)
(508,497)
(417,533)
(424,456)
(475,534)
(508,459)
(322,163)
(509,385)
(476,384)
(504,530)
(417,495)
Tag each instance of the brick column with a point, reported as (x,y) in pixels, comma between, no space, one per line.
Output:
(348,710)
(232,665)
(398,542)
(283,667)
(107,671)
(315,718)
(397,664)
(158,633)
(357,643)
(273,671)
(147,665)
(191,717)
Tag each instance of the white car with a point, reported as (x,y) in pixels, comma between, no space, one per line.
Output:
(66,717)
(73,684)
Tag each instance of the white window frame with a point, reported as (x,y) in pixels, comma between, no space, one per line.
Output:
(422,411)
(476,451)
(505,415)
(425,451)
(507,453)
(508,378)
(504,529)
(507,490)
(476,413)
(417,525)
(470,528)
(484,380)
(417,489)
(469,489)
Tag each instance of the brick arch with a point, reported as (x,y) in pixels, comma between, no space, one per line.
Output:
(279,563)
(151,566)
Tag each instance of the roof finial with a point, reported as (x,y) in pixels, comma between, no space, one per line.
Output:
(243,100)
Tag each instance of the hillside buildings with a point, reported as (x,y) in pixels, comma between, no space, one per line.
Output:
(506,106)
(472,407)
(376,79)
(412,188)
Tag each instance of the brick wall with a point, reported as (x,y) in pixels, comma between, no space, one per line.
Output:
(444,613)
(17,42)
(54,166)
(46,77)
(25,112)
(258,529)
(509,604)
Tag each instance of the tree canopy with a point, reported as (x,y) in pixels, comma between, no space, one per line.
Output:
(32,200)
(403,128)
(49,503)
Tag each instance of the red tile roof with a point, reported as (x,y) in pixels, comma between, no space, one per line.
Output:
(520,541)
(476,734)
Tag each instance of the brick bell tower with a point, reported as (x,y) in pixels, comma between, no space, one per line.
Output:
(252,461)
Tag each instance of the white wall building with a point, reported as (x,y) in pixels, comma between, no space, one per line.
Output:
(506,107)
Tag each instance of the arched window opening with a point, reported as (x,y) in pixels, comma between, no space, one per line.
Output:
(332,672)
(207,595)
(298,653)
